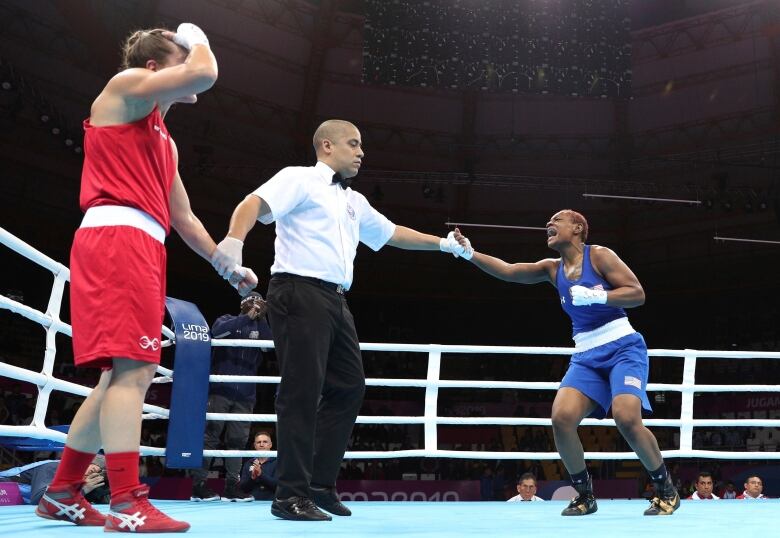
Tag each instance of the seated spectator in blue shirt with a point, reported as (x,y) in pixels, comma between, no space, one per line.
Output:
(258,476)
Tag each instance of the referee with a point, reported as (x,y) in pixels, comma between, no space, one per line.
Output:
(319,222)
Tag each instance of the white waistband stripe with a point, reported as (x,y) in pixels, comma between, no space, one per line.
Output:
(115,215)
(609,332)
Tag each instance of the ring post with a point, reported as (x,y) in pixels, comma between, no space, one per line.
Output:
(432,398)
(686,401)
(190,391)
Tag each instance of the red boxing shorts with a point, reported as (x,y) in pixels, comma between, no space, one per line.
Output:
(117,295)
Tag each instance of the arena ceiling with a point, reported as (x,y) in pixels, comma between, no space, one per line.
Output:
(703,124)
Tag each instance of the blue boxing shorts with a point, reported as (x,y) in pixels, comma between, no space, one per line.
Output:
(618,367)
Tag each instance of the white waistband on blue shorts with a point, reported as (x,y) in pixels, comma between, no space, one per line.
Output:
(609,332)
(117,215)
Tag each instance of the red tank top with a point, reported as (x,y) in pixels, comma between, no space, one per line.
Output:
(130,165)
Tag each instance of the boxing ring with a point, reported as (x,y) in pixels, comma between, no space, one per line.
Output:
(615,518)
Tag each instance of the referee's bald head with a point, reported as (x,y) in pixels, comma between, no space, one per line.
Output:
(332,130)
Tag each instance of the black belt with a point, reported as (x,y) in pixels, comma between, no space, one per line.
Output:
(338,288)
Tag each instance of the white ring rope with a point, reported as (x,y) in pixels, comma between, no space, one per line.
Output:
(46,382)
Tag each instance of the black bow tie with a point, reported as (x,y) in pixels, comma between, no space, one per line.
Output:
(343,181)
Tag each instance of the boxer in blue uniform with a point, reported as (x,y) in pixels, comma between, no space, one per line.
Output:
(609,367)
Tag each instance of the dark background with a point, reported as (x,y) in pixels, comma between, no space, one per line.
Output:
(702,124)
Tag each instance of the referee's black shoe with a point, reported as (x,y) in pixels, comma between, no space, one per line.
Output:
(584,503)
(327,499)
(298,509)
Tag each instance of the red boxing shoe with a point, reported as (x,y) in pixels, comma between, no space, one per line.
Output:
(132,512)
(66,503)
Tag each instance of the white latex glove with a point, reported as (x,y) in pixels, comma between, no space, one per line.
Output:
(227,256)
(188,35)
(582,296)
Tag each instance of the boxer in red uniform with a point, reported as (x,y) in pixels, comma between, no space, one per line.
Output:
(132,194)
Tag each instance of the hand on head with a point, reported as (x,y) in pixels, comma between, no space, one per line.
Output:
(188,35)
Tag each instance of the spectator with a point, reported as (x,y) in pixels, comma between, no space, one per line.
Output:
(536,469)
(33,480)
(753,489)
(649,490)
(258,476)
(526,489)
(232,397)
(733,439)
(716,439)
(486,484)
(5,414)
(143,469)
(704,487)
(729,492)
(15,402)
(154,466)
(500,484)
(351,471)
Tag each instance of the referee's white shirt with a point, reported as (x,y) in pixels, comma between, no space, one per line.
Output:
(319,224)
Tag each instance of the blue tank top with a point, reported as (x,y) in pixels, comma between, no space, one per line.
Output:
(585,318)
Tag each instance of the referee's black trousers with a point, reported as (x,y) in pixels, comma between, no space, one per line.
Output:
(322,384)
